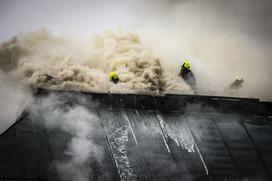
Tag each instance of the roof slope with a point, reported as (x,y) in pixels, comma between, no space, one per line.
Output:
(139,143)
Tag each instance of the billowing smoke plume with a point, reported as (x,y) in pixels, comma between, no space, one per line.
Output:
(41,59)
(222,39)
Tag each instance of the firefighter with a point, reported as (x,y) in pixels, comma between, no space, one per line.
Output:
(237,83)
(187,75)
(113,76)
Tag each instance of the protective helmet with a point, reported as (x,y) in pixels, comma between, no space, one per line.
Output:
(113,76)
(238,79)
(186,64)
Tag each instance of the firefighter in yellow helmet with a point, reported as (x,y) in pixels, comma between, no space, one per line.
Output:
(187,75)
(113,76)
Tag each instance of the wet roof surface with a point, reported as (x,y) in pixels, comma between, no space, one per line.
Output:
(139,144)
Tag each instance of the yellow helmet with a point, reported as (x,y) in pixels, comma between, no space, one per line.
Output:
(186,64)
(113,75)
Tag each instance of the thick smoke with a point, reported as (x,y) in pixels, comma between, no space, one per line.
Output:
(222,39)
(41,59)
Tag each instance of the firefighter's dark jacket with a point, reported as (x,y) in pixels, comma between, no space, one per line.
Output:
(188,76)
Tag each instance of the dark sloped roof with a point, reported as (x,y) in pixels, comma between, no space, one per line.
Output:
(150,138)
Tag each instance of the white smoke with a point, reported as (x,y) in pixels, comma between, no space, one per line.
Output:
(13,100)
(79,124)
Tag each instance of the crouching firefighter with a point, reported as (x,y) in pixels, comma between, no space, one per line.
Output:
(236,84)
(187,75)
(113,76)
